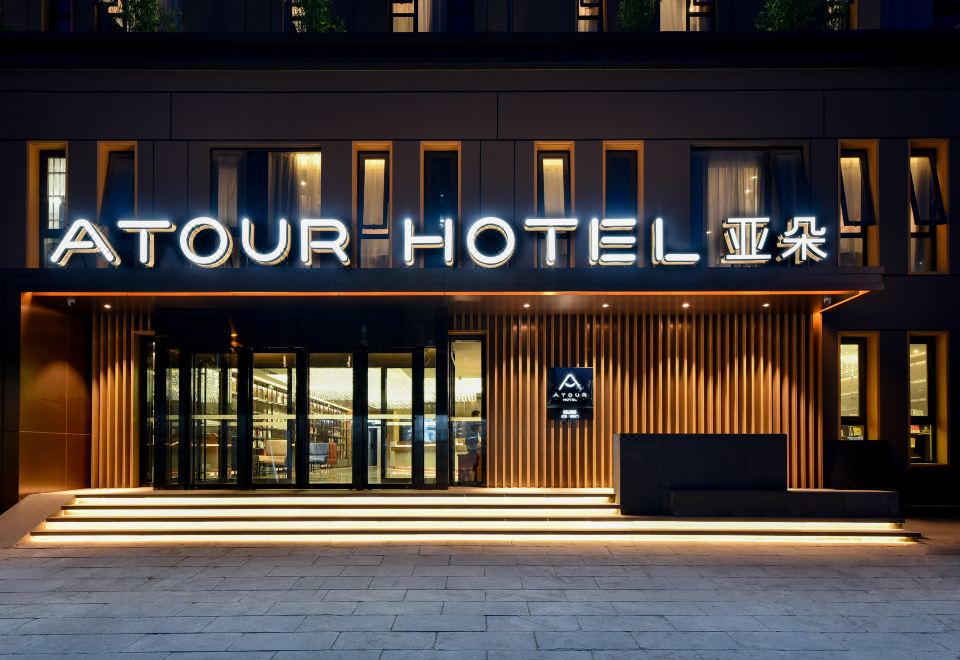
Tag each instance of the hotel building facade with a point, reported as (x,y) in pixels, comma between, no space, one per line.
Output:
(250,259)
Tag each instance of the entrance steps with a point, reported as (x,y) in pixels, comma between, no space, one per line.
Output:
(456,515)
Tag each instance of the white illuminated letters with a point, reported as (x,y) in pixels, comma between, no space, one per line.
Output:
(146,229)
(498,225)
(552,226)
(82,237)
(336,245)
(274,256)
(600,245)
(188,237)
(745,238)
(803,240)
(413,242)
(663,258)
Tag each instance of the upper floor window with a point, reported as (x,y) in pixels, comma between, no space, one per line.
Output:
(441,196)
(924,401)
(373,209)
(745,183)
(53,199)
(554,201)
(927,210)
(589,15)
(119,185)
(621,184)
(856,207)
(418,15)
(686,15)
(266,186)
(853,382)
(56,15)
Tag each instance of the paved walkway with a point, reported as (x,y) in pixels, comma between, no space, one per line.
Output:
(498,601)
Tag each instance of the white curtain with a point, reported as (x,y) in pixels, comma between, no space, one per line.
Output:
(673,16)
(374,170)
(307,168)
(852,174)
(922,173)
(733,190)
(554,195)
(227,186)
(424,15)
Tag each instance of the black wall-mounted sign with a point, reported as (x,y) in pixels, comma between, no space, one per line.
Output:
(570,393)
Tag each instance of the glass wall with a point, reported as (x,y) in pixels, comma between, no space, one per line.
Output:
(214,438)
(330,418)
(274,417)
(389,432)
(922,401)
(468,429)
(852,387)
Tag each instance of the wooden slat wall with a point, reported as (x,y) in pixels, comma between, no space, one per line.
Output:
(115,449)
(653,373)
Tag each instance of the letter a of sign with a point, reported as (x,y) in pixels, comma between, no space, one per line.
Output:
(83,238)
(570,381)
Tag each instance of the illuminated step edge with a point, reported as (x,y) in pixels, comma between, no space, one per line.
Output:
(319,513)
(429,537)
(368,501)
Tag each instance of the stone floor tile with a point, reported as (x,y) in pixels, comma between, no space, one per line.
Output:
(360,595)
(420,654)
(487,607)
(477,641)
(788,641)
(253,624)
(908,623)
(716,623)
(484,582)
(448,571)
(888,642)
(238,608)
(94,643)
(104,625)
(340,623)
(400,607)
(311,607)
(328,655)
(387,640)
(184,642)
(685,640)
(438,623)
(526,594)
(557,582)
(585,640)
(661,608)
(458,595)
(566,607)
(533,623)
(809,623)
(256,583)
(623,622)
(286,641)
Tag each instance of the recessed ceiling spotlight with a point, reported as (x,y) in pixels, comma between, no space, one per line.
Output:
(107,306)
(605,305)
(765,305)
(685,305)
(526,305)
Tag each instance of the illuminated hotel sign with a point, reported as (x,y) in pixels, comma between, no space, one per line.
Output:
(612,241)
(570,394)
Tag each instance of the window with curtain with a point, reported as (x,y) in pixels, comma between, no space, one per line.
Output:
(745,183)
(265,186)
(553,200)
(927,210)
(441,197)
(373,200)
(589,15)
(923,400)
(418,15)
(856,207)
(686,15)
(53,200)
(853,365)
(117,196)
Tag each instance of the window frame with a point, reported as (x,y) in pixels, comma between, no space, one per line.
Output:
(413,16)
(45,233)
(597,19)
(926,231)
(850,230)
(930,419)
(707,9)
(373,232)
(566,154)
(862,357)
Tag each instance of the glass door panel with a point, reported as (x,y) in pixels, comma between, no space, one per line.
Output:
(330,418)
(389,431)
(468,432)
(274,418)
(173,415)
(214,437)
(430,416)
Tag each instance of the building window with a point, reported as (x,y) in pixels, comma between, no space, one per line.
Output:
(853,387)
(927,210)
(441,197)
(373,209)
(745,183)
(118,182)
(265,186)
(554,200)
(56,15)
(923,400)
(856,207)
(53,200)
(418,15)
(468,434)
(589,15)
(686,15)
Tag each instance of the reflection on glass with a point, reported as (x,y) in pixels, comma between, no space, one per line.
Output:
(389,432)
(274,417)
(922,432)
(214,438)
(149,413)
(919,387)
(851,407)
(468,428)
(430,416)
(330,418)
(173,415)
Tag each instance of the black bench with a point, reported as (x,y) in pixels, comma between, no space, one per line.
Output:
(716,475)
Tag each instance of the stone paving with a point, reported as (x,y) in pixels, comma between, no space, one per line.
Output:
(577,601)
